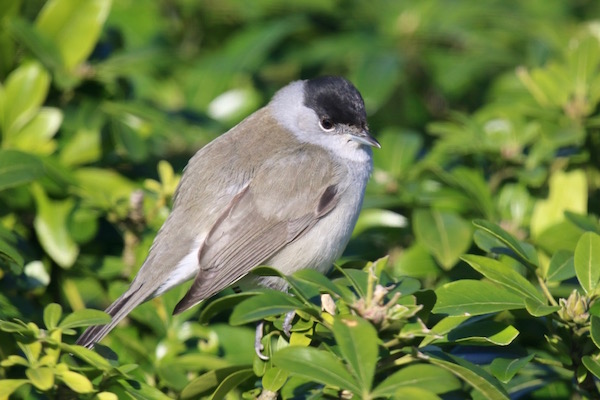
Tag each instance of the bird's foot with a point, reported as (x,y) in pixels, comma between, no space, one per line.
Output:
(258,346)
(287,323)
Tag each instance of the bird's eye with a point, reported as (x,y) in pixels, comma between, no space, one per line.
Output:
(326,124)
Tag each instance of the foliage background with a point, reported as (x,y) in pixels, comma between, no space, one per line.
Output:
(486,111)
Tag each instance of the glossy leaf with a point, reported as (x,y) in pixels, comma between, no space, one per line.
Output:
(24,92)
(587,260)
(398,152)
(18,168)
(77,382)
(84,318)
(506,368)
(411,392)
(512,243)
(592,365)
(538,309)
(36,136)
(445,234)
(595,330)
(357,341)
(475,376)
(274,379)
(315,278)
(7,250)
(8,386)
(484,332)
(41,377)
(317,365)
(424,376)
(504,275)
(378,218)
(568,191)
(52,314)
(469,297)
(51,227)
(266,304)
(231,382)
(223,303)
(208,381)
(74,26)
(562,266)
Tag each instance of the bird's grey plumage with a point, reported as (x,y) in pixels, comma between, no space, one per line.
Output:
(235,209)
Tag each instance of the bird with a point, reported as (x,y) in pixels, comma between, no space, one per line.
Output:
(282,188)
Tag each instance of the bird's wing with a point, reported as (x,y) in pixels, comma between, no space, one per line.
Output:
(273,210)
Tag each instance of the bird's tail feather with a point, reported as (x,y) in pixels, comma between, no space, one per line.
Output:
(117,310)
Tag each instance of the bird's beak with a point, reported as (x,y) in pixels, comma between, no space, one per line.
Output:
(364,137)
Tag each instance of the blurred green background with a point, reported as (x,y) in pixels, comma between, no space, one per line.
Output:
(485,109)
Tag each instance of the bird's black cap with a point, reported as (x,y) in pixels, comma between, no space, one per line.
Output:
(335,98)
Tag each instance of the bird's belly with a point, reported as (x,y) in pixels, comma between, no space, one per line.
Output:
(319,247)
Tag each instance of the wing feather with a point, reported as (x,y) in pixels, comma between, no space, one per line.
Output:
(245,235)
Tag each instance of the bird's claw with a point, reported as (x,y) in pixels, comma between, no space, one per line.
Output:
(287,323)
(258,346)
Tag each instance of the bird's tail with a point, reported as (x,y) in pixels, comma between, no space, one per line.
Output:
(117,310)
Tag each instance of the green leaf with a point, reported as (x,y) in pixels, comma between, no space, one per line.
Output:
(224,303)
(584,222)
(568,192)
(51,227)
(324,284)
(415,261)
(399,150)
(136,389)
(472,183)
(587,261)
(8,386)
(411,392)
(36,136)
(504,275)
(470,297)
(424,376)
(15,327)
(445,234)
(87,355)
(52,314)
(41,377)
(357,340)
(18,168)
(316,365)
(442,328)
(74,26)
(83,148)
(266,304)
(562,266)
(39,44)
(475,376)
(77,382)
(595,330)
(378,218)
(538,309)
(592,365)
(484,332)
(506,368)
(231,382)
(508,240)
(85,317)
(203,384)
(103,187)
(24,92)
(274,379)
(8,251)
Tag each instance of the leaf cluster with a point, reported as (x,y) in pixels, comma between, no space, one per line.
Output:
(482,211)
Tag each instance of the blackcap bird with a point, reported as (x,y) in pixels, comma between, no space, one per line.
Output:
(282,188)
